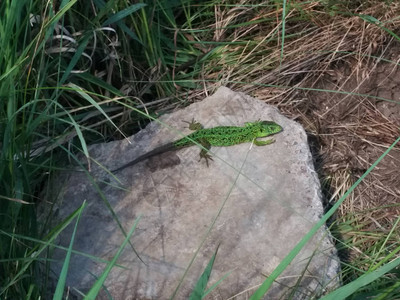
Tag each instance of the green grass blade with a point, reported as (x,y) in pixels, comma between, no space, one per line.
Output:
(378,23)
(283,30)
(129,32)
(98,284)
(34,254)
(64,271)
(48,28)
(198,291)
(86,96)
(13,68)
(215,285)
(392,253)
(75,59)
(100,83)
(385,294)
(349,289)
(292,254)
(124,13)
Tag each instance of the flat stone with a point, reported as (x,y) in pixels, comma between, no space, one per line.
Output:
(264,200)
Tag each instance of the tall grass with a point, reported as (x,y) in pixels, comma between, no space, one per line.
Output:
(42,119)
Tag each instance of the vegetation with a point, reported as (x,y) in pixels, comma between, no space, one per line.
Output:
(73,73)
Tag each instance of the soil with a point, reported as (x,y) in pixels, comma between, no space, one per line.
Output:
(358,118)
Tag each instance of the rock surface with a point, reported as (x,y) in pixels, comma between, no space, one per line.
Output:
(269,199)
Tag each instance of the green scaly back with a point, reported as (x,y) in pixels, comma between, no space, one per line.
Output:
(221,136)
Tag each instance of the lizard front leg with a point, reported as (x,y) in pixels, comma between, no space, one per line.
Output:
(194,125)
(263,143)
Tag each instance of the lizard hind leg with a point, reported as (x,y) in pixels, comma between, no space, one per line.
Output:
(204,152)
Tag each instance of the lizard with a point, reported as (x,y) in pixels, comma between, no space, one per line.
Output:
(220,136)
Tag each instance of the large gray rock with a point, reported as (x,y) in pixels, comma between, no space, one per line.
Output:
(269,199)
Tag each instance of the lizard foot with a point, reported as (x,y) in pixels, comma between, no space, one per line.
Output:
(194,125)
(206,156)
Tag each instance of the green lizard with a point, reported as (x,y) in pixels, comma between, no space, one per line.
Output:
(218,136)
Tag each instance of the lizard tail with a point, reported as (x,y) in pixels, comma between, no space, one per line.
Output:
(164,148)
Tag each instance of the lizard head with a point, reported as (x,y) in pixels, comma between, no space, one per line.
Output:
(266,128)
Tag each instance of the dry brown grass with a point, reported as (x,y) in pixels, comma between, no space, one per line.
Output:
(333,79)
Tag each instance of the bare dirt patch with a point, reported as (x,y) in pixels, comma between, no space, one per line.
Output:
(352,118)
(355,129)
